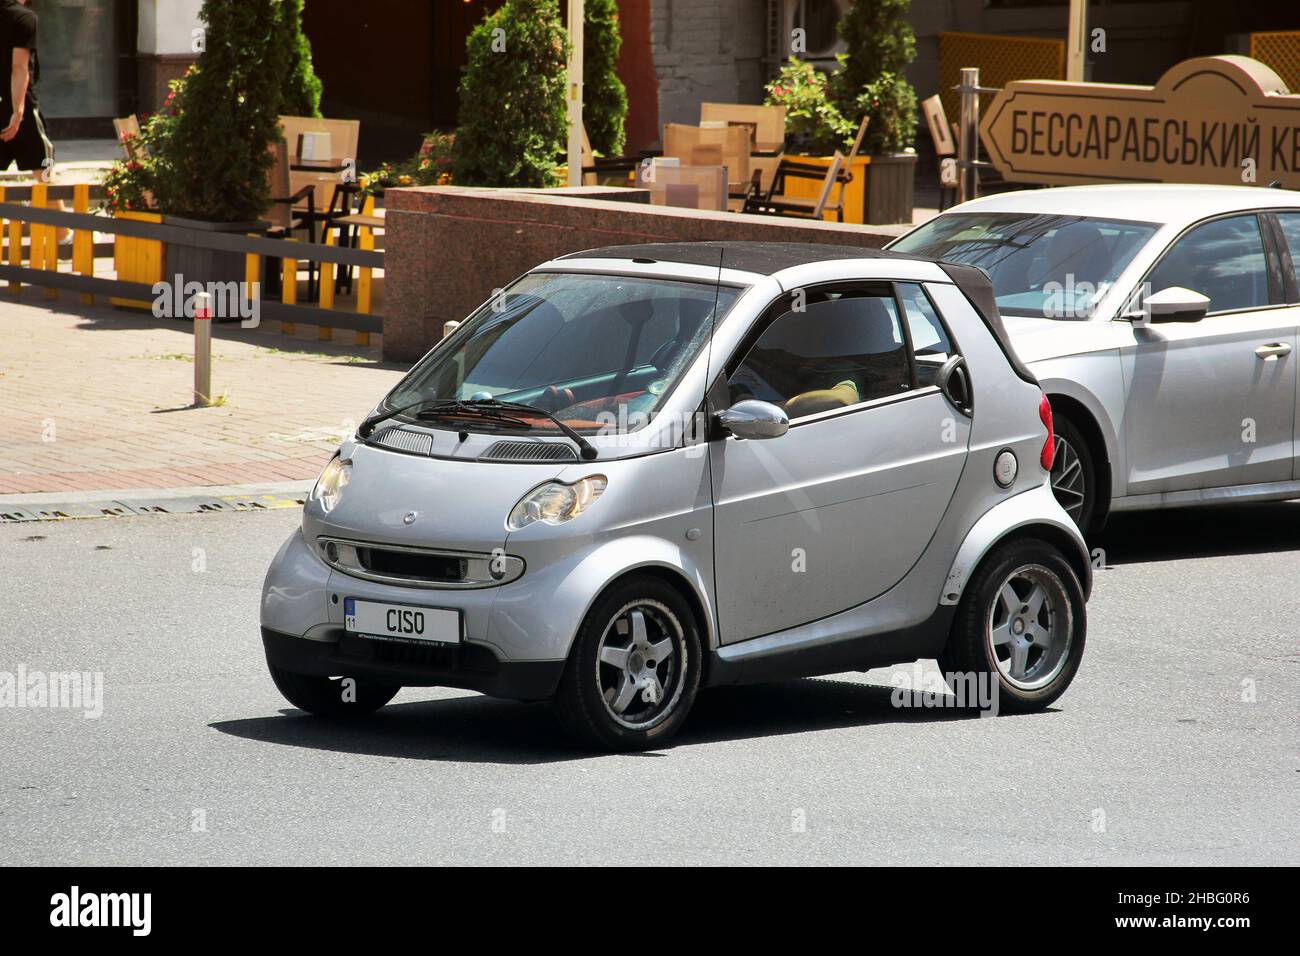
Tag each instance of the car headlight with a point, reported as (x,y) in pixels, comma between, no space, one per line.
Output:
(556,502)
(330,484)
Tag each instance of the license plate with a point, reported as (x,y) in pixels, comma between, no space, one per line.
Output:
(401,622)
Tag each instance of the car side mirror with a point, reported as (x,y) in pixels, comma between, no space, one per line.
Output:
(753,419)
(1174,304)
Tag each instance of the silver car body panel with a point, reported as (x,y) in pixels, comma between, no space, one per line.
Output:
(1206,374)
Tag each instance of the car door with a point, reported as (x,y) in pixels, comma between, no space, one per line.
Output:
(1212,403)
(838,509)
(1288,238)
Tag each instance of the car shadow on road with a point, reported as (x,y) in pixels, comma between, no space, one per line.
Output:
(1134,537)
(480,729)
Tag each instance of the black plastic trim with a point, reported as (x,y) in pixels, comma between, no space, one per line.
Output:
(468,666)
(975,285)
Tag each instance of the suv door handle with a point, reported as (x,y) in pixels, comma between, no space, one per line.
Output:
(1272,351)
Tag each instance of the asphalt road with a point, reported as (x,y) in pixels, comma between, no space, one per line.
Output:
(1152,756)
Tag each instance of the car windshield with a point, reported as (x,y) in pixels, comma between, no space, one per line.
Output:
(600,352)
(1046,265)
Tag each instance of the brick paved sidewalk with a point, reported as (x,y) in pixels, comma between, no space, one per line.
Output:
(99,399)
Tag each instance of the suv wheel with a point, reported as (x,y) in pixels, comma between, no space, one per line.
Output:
(1022,622)
(328,697)
(1074,477)
(635,667)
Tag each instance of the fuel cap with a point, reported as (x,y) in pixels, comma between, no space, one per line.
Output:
(1005,467)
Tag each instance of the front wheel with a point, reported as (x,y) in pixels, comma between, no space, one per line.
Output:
(635,667)
(332,696)
(1022,623)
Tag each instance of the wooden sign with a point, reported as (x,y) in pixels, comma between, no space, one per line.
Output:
(1214,119)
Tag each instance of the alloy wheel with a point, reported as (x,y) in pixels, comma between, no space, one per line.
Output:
(1030,627)
(640,662)
(1069,483)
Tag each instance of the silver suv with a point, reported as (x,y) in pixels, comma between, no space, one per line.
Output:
(644,470)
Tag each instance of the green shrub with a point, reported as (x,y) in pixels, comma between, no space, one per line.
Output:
(880,44)
(604,108)
(130,185)
(303,89)
(813,123)
(213,164)
(512,122)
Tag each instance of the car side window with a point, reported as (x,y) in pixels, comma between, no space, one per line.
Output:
(1223,259)
(841,349)
(930,342)
(1290,222)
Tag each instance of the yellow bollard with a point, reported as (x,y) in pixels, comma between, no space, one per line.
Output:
(83,240)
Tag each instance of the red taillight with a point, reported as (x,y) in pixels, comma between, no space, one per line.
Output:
(1048,454)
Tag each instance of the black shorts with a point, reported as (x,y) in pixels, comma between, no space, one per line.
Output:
(31,149)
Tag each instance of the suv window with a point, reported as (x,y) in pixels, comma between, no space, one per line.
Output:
(1223,259)
(930,342)
(842,349)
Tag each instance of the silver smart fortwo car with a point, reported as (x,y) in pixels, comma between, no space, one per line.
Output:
(645,470)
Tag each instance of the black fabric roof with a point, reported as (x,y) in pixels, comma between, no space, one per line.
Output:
(762,258)
(766,258)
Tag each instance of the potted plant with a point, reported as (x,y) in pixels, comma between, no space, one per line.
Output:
(604,108)
(204,160)
(815,128)
(880,44)
(512,120)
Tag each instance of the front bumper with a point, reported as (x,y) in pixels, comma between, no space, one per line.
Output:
(469,666)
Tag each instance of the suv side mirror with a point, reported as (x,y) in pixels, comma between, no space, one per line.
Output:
(1174,304)
(754,419)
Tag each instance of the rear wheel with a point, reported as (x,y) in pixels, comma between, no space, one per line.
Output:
(1022,623)
(332,696)
(635,667)
(1074,477)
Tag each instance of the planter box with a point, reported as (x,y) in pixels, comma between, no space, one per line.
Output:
(855,193)
(890,189)
(138,260)
(194,264)
(879,194)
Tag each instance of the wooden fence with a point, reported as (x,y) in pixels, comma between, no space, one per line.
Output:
(32,256)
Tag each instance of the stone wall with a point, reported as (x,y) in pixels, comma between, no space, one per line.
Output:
(447,248)
(706,51)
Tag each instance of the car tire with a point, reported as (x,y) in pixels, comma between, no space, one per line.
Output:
(1032,662)
(325,696)
(1074,478)
(634,670)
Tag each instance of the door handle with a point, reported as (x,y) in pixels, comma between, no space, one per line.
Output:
(1273,351)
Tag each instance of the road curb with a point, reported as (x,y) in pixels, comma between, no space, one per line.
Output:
(134,502)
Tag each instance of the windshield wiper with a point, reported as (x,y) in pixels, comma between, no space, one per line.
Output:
(585,449)
(480,408)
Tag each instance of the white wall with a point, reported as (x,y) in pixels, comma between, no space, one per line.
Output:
(166,26)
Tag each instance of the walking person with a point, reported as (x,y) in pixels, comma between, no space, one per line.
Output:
(23,140)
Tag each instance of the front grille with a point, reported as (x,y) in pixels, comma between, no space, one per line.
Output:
(419,567)
(529,451)
(413,564)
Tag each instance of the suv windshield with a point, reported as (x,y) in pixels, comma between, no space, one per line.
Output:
(600,352)
(1047,265)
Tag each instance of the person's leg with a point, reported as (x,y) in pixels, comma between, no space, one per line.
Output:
(35,153)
